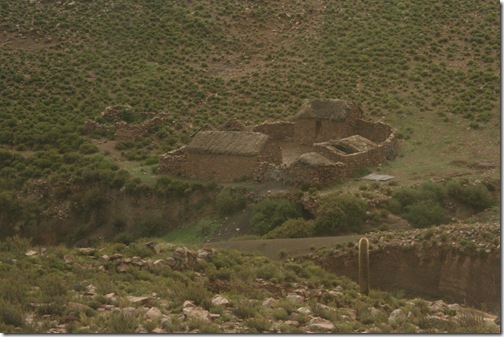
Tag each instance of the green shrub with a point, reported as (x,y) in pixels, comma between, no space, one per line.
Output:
(229,202)
(258,324)
(340,214)
(11,314)
(478,197)
(124,237)
(270,213)
(149,226)
(293,228)
(425,213)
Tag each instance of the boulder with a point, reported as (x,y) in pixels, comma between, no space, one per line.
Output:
(220,301)
(318,324)
(153,313)
(396,316)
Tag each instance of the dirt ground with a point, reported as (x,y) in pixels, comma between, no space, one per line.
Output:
(273,248)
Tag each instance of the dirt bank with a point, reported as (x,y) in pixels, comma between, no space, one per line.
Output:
(430,273)
(458,263)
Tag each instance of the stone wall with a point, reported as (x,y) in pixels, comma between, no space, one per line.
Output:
(309,131)
(300,174)
(271,153)
(276,130)
(354,161)
(377,132)
(174,162)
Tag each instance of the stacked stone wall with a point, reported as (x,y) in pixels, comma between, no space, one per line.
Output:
(276,130)
(271,153)
(174,162)
(376,132)
(306,130)
(300,174)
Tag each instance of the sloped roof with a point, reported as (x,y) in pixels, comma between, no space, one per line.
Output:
(228,142)
(332,109)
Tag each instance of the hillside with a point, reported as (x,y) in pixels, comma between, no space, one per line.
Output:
(163,288)
(432,74)
(94,239)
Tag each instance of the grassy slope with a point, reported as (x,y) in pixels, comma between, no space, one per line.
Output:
(211,61)
(429,68)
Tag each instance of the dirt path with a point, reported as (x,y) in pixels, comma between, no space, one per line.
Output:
(272,248)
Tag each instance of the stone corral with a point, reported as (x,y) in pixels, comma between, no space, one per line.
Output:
(326,140)
(113,123)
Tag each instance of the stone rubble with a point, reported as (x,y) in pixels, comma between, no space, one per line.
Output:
(307,314)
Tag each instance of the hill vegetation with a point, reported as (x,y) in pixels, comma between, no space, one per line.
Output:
(429,68)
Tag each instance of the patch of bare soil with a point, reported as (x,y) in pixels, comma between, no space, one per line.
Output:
(273,248)
(29,43)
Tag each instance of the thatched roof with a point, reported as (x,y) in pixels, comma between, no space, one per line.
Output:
(332,109)
(228,142)
(314,159)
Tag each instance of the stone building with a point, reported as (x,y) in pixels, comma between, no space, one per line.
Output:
(225,155)
(324,119)
(326,140)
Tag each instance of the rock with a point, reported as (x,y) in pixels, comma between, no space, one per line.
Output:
(86,251)
(141,329)
(159,330)
(90,290)
(121,268)
(294,298)
(153,313)
(374,329)
(188,304)
(270,303)
(197,313)
(220,301)
(454,307)
(31,253)
(159,261)
(77,306)
(350,313)
(304,310)
(321,306)
(396,316)
(374,312)
(138,299)
(110,296)
(318,324)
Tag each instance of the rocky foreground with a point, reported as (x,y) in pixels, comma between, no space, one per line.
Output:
(161,288)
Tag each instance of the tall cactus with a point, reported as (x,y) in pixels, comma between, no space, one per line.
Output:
(364,265)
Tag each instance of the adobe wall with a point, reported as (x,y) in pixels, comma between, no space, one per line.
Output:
(276,130)
(220,167)
(305,130)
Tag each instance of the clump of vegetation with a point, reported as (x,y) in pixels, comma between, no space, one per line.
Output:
(339,214)
(425,205)
(293,228)
(270,213)
(230,201)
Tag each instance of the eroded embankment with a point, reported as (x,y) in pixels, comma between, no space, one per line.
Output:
(430,269)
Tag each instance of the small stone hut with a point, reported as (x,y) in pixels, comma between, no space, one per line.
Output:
(228,155)
(323,119)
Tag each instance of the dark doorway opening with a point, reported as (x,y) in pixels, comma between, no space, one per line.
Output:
(318,126)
